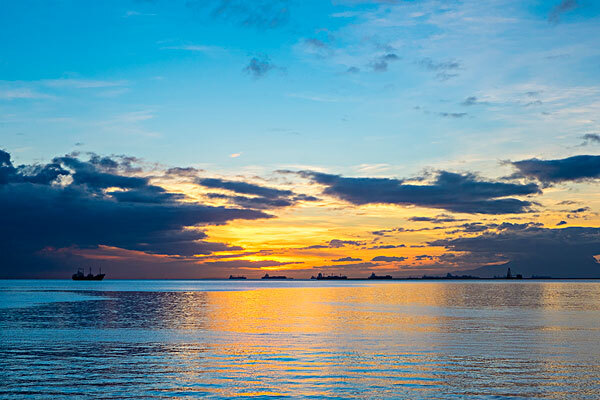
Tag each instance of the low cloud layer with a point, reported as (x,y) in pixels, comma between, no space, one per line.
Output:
(576,168)
(591,138)
(529,249)
(389,258)
(263,197)
(70,202)
(464,193)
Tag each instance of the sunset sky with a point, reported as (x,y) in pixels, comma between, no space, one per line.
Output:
(199,139)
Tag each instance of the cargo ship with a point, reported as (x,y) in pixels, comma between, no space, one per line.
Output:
(373,276)
(80,276)
(329,277)
(267,276)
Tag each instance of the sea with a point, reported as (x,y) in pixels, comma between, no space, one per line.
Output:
(189,339)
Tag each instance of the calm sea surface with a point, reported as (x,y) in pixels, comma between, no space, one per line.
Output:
(222,339)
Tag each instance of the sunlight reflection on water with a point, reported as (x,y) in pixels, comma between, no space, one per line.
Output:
(351,340)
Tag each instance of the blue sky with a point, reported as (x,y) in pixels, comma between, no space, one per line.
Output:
(376,89)
(166,80)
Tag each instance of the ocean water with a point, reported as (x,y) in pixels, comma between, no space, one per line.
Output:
(300,339)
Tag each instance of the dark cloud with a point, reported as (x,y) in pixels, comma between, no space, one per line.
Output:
(576,168)
(334,244)
(472,101)
(146,194)
(561,223)
(388,258)
(100,173)
(386,232)
(183,172)
(444,76)
(318,47)
(452,115)
(43,213)
(314,42)
(383,232)
(561,8)
(253,202)
(381,63)
(533,103)
(259,67)
(476,227)
(347,259)
(424,257)
(529,249)
(566,203)
(429,64)
(576,212)
(244,188)
(337,243)
(470,228)
(39,174)
(266,197)
(464,193)
(305,197)
(579,210)
(590,138)
(443,69)
(438,219)
(386,246)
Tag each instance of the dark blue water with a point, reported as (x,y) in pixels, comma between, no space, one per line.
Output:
(222,339)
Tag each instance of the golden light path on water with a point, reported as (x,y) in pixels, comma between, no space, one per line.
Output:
(191,339)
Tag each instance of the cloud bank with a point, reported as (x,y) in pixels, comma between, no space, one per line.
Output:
(463,193)
(83,204)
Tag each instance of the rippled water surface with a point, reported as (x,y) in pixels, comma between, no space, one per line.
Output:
(221,339)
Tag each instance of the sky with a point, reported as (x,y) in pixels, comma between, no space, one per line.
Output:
(199,139)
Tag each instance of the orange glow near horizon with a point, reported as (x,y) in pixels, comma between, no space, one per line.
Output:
(296,240)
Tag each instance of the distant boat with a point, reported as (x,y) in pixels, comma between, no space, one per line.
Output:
(329,277)
(80,276)
(373,276)
(267,276)
(236,277)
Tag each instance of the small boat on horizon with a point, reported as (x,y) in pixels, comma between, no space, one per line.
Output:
(80,276)
(236,277)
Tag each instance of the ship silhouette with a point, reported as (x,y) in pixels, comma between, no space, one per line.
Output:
(329,277)
(80,276)
(267,276)
(373,276)
(236,277)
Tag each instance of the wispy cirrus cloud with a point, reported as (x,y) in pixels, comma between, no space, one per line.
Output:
(22,93)
(197,48)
